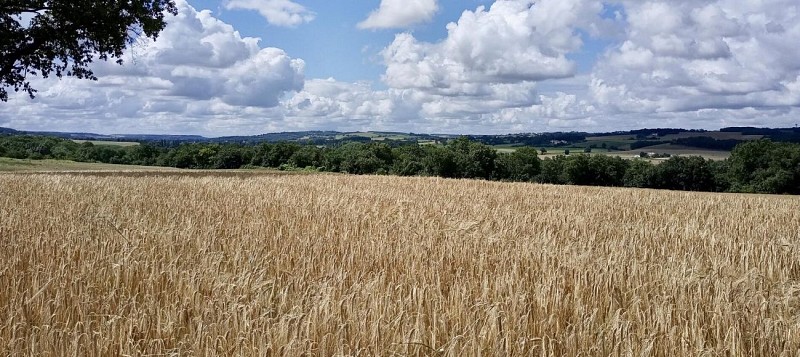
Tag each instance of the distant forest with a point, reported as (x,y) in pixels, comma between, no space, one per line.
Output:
(757,166)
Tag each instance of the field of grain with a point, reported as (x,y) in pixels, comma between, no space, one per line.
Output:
(270,265)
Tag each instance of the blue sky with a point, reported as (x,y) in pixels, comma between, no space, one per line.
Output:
(332,45)
(236,67)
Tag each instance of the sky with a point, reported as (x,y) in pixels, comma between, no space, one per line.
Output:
(247,67)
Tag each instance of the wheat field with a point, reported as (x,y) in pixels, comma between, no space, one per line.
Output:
(330,265)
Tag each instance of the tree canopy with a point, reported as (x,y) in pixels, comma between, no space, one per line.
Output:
(62,37)
(757,166)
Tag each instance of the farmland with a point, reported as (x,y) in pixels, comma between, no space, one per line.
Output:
(271,264)
(12,165)
(108,142)
(676,150)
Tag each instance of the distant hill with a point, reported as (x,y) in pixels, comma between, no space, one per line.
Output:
(724,139)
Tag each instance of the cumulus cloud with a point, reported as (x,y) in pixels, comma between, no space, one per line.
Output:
(510,67)
(487,69)
(276,12)
(400,14)
(687,56)
(483,76)
(334,99)
(511,42)
(200,69)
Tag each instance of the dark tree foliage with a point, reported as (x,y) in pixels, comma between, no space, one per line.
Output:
(230,157)
(440,162)
(409,160)
(553,170)
(758,166)
(64,36)
(645,143)
(360,158)
(765,167)
(597,170)
(692,173)
(638,174)
(274,155)
(145,155)
(521,165)
(608,170)
(306,156)
(472,159)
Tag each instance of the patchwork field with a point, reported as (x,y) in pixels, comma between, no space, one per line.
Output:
(676,150)
(271,264)
(108,142)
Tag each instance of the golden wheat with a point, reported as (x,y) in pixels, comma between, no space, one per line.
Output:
(260,265)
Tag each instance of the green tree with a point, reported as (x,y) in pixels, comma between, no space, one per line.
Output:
(578,170)
(84,151)
(64,36)
(106,154)
(472,159)
(143,154)
(359,158)
(766,167)
(306,156)
(274,155)
(608,170)
(230,157)
(189,156)
(692,173)
(409,160)
(522,165)
(553,170)
(440,161)
(638,174)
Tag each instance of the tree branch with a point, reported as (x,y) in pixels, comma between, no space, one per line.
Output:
(21,10)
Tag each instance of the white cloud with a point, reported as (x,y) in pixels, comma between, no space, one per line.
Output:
(505,68)
(484,74)
(400,14)
(688,56)
(511,42)
(276,12)
(199,72)
(203,58)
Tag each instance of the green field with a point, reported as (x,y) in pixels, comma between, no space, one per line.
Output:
(9,165)
(625,137)
(676,150)
(718,135)
(375,136)
(551,151)
(109,143)
(13,165)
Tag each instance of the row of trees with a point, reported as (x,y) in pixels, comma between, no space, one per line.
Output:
(758,166)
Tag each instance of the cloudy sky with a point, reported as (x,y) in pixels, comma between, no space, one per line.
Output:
(247,67)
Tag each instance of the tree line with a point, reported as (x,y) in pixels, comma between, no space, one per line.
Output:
(760,166)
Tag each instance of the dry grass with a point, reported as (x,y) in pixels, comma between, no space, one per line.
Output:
(336,265)
(17,165)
